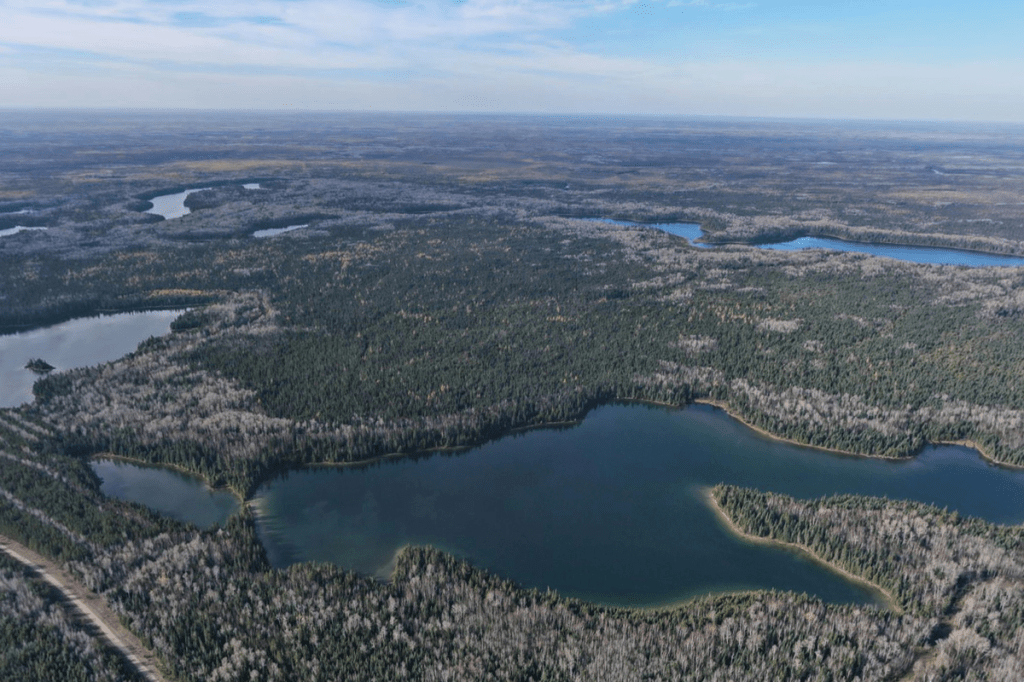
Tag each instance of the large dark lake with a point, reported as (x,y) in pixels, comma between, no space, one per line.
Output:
(611,510)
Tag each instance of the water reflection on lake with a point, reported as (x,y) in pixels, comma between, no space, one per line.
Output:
(171,492)
(76,343)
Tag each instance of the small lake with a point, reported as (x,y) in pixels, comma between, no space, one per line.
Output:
(610,511)
(18,228)
(912,254)
(76,343)
(169,206)
(691,232)
(179,495)
(274,231)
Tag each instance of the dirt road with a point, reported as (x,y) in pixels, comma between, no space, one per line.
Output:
(91,607)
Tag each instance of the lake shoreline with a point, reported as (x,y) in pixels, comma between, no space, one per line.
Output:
(109,456)
(891,603)
(725,407)
(284,466)
(850,453)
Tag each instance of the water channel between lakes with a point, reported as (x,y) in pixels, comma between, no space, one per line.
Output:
(611,511)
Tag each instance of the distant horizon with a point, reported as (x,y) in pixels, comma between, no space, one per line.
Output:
(499,114)
(870,60)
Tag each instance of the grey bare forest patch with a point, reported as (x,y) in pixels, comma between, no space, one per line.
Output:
(451,286)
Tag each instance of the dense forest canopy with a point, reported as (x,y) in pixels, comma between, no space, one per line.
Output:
(449,287)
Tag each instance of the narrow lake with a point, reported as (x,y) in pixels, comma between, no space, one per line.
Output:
(912,254)
(174,493)
(611,510)
(274,231)
(76,343)
(18,228)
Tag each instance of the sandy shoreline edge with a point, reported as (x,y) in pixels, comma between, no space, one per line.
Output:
(886,596)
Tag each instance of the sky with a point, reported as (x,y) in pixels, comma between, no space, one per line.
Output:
(891,59)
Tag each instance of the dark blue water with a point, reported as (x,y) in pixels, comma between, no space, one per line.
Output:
(912,254)
(612,510)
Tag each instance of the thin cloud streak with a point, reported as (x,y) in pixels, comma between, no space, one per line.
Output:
(507,55)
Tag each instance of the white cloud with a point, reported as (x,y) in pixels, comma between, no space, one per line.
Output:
(435,54)
(302,34)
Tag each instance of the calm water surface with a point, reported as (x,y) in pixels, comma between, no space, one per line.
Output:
(274,231)
(174,493)
(170,206)
(77,343)
(610,511)
(913,254)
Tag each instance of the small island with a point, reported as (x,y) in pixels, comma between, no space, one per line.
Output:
(39,366)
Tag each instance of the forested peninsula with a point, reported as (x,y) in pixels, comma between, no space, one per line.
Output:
(449,289)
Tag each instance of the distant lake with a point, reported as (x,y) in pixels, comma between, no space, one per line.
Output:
(912,254)
(179,495)
(610,511)
(691,232)
(170,206)
(274,231)
(18,228)
(76,343)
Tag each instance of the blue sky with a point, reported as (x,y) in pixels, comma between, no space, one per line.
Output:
(900,59)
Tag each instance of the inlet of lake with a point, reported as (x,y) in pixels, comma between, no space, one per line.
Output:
(611,510)
(911,254)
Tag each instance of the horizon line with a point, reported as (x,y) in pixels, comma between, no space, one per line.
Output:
(7,108)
